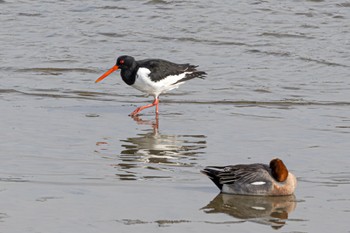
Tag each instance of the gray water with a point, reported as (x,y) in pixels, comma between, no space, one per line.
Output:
(278,85)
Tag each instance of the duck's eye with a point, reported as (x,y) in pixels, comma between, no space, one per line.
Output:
(121,61)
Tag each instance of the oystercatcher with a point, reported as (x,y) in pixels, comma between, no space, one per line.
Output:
(153,76)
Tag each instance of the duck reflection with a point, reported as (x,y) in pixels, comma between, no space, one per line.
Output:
(267,210)
(158,152)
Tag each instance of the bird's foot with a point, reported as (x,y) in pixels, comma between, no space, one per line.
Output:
(134,113)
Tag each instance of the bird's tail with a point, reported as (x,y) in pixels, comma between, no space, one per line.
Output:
(191,75)
(213,174)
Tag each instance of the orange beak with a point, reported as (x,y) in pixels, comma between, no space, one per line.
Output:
(111,70)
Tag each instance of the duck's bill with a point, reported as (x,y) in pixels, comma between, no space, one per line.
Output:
(111,70)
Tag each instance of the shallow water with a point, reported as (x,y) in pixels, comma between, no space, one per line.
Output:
(277,86)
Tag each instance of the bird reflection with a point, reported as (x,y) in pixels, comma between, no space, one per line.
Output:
(140,121)
(157,152)
(267,210)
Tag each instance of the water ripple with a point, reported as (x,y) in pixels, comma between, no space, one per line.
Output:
(286,35)
(330,179)
(289,54)
(95,95)
(51,70)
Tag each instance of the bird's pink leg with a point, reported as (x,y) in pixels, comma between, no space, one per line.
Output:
(156,101)
(139,109)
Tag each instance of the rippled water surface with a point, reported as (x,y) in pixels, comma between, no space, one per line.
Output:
(278,85)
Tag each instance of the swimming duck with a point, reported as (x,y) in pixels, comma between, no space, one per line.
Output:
(253,179)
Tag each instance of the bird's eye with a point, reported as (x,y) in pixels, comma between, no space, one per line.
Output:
(121,61)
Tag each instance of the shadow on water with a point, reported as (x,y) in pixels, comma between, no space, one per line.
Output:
(151,154)
(272,211)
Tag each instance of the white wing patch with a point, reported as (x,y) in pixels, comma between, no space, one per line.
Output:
(144,83)
(258,208)
(258,183)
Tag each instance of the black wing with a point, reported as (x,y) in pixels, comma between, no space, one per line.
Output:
(162,68)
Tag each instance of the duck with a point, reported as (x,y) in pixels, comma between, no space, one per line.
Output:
(253,179)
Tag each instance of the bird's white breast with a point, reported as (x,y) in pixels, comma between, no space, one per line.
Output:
(144,83)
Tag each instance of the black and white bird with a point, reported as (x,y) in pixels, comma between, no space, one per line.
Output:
(153,76)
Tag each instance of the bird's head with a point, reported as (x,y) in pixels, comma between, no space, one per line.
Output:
(123,63)
(279,170)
